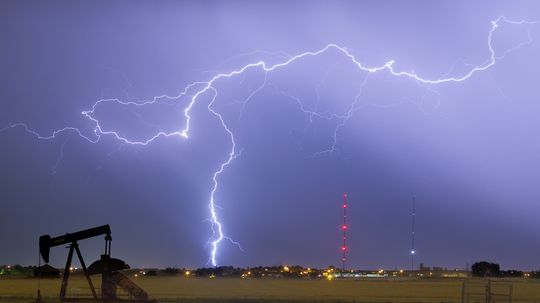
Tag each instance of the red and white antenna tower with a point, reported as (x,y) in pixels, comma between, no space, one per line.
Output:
(344,228)
(413,234)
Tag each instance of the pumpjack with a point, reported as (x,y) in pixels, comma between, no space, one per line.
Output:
(108,267)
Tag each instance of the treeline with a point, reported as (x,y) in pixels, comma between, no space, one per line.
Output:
(221,271)
(478,269)
(488,269)
(294,271)
(16,270)
(169,271)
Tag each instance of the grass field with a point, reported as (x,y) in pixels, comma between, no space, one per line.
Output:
(179,289)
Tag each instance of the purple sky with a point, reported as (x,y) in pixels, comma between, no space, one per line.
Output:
(468,151)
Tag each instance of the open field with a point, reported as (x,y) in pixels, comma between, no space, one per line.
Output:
(180,289)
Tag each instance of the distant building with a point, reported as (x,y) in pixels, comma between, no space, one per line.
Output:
(440,272)
(46,271)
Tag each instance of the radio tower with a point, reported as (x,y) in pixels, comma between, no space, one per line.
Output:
(413,250)
(344,228)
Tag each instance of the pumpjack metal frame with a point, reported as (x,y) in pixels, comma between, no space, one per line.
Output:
(46,242)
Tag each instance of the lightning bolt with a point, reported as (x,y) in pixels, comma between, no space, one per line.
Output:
(194,91)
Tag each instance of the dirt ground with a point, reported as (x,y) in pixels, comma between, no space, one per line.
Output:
(181,289)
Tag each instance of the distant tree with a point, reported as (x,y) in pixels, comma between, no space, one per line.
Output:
(170,271)
(17,269)
(46,271)
(14,270)
(221,271)
(203,272)
(485,269)
(512,273)
(535,274)
(151,273)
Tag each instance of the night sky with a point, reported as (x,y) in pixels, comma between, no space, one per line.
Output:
(468,151)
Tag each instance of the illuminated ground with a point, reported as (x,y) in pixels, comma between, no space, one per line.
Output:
(179,289)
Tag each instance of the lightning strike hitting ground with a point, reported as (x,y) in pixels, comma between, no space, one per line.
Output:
(198,89)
